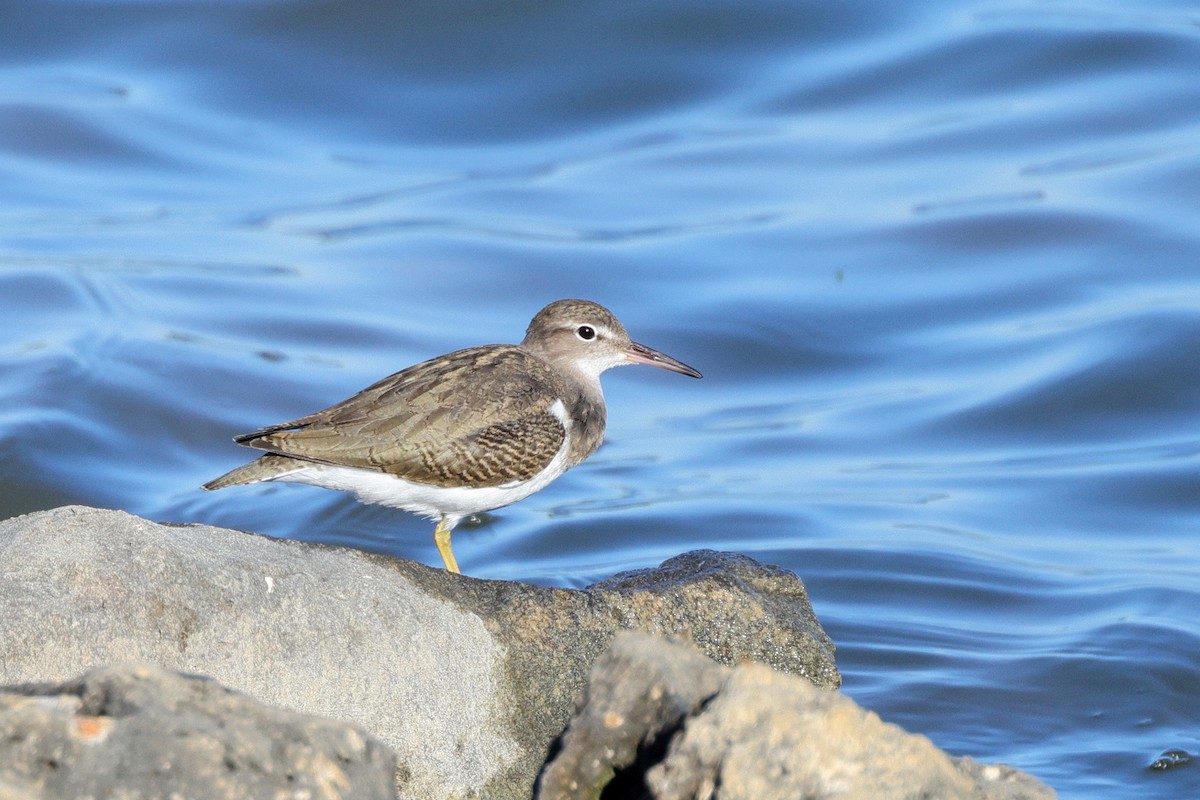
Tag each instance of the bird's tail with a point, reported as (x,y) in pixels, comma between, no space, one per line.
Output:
(268,468)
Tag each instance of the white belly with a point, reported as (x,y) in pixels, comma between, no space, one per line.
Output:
(435,502)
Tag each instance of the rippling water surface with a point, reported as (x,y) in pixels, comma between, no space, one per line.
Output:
(939,262)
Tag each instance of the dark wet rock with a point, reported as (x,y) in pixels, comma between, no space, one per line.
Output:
(662,721)
(468,681)
(1173,759)
(137,731)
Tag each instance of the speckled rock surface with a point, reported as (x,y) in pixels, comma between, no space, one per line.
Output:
(468,681)
(302,627)
(733,607)
(662,721)
(137,731)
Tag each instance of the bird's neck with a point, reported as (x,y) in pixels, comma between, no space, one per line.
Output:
(584,398)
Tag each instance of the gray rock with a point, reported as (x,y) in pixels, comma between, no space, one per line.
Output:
(468,681)
(735,608)
(136,731)
(638,695)
(662,721)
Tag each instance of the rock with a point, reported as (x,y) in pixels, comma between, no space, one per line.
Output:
(662,721)
(468,681)
(735,608)
(638,695)
(137,731)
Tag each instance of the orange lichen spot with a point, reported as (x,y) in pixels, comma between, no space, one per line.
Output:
(93,729)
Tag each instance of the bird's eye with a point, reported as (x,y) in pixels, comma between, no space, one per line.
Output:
(586,332)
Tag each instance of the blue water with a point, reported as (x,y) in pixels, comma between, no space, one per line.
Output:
(939,262)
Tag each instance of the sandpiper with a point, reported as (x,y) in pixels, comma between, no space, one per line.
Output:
(470,431)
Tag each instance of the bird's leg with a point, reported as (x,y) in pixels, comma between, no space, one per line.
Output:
(441,537)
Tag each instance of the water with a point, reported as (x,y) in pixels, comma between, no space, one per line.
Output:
(938,262)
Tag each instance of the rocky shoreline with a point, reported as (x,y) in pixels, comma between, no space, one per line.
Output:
(143,660)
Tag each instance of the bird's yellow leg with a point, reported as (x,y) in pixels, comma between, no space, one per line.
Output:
(441,537)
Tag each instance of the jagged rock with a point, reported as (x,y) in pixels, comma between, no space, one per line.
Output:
(662,721)
(638,695)
(137,731)
(468,681)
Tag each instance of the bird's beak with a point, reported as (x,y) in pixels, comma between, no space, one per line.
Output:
(640,354)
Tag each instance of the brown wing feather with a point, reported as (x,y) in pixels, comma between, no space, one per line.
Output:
(476,417)
(509,451)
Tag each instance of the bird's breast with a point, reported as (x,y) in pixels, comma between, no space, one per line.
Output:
(587,427)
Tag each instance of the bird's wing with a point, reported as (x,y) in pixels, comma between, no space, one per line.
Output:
(476,417)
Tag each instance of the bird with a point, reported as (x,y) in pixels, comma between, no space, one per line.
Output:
(465,432)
